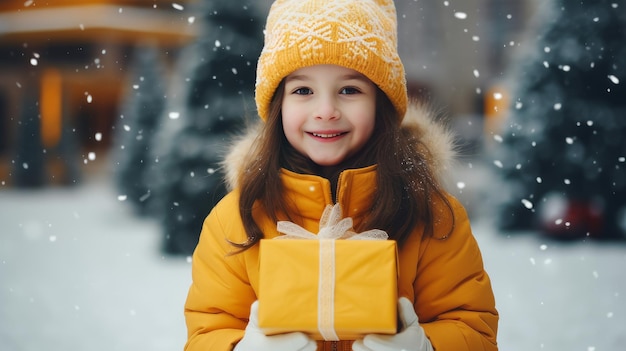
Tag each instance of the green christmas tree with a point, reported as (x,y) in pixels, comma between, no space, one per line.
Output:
(137,126)
(217,87)
(564,145)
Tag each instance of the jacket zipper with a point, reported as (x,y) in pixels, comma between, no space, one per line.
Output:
(333,344)
(337,190)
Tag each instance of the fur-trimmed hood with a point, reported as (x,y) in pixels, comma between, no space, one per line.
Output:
(419,119)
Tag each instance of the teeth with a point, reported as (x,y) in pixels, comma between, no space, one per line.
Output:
(326,135)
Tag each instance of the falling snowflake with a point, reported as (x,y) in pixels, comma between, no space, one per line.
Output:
(527,204)
(460,15)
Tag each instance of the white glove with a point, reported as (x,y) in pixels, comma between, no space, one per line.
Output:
(255,340)
(411,338)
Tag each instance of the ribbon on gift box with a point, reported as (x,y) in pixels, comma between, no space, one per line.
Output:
(332,227)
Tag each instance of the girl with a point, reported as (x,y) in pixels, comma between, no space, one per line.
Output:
(337,129)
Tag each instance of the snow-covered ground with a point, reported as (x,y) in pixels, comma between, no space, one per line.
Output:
(79,272)
(556,296)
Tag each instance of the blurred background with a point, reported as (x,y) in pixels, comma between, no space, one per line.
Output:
(114,116)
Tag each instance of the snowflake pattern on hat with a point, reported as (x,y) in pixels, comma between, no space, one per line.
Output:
(372,32)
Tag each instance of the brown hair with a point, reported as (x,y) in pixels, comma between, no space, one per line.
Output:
(405,182)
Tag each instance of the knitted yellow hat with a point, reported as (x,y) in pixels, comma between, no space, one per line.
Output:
(356,34)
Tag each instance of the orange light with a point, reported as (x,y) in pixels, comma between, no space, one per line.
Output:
(51,107)
(496,105)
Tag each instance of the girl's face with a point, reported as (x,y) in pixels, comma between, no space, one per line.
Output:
(328,112)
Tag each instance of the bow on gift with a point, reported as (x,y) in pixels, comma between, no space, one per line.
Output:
(332,226)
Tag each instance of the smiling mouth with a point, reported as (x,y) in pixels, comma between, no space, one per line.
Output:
(326,136)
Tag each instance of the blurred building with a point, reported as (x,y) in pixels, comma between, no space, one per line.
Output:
(456,49)
(458,54)
(63,65)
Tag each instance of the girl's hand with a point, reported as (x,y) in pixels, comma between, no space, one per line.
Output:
(255,340)
(411,338)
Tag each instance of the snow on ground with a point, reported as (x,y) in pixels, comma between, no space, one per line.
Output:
(79,272)
(556,296)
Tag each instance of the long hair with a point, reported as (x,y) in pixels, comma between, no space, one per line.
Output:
(405,183)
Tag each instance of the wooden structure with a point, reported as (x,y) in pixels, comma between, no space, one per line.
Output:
(63,65)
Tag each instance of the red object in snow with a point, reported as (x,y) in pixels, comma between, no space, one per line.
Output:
(572,219)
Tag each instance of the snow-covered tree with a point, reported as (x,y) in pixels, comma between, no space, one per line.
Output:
(215,95)
(564,144)
(137,125)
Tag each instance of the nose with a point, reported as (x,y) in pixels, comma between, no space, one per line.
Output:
(327,109)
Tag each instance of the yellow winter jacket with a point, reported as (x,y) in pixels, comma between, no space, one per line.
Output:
(443,275)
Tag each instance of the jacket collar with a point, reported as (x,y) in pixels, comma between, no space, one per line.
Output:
(308,194)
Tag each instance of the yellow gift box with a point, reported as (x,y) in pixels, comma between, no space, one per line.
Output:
(330,289)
